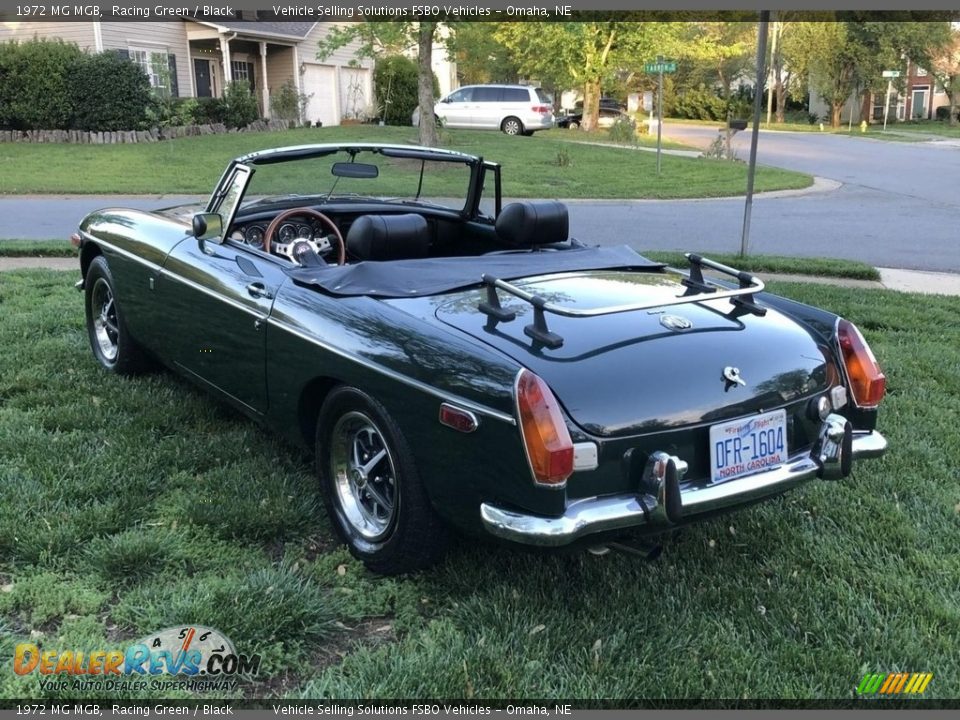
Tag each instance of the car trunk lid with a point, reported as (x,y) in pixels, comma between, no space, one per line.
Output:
(644,371)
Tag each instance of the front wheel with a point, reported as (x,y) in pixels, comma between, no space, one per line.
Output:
(512,126)
(371,488)
(112,345)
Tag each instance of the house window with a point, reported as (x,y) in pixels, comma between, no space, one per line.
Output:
(155,65)
(241,70)
(921,72)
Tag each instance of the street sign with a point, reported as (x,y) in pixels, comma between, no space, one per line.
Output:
(891,73)
(660,67)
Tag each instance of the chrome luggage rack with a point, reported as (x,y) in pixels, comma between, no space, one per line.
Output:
(698,289)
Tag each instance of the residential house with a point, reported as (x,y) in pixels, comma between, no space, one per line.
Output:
(918,99)
(193,58)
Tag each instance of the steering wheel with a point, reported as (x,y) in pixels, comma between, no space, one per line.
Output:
(286,214)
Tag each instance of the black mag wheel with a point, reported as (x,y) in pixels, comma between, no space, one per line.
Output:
(371,488)
(112,345)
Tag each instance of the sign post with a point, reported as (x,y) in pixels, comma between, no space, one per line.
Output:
(886,106)
(660,67)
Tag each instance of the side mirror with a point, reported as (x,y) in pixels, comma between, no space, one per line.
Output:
(208,226)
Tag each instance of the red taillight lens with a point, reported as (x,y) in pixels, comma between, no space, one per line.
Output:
(867,382)
(542,109)
(545,433)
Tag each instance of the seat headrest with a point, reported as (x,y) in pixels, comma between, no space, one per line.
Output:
(389,237)
(533,223)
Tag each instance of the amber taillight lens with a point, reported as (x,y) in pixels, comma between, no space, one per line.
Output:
(545,433)
(867,381)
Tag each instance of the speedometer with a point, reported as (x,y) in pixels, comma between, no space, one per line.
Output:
(304,232)
(287,233)
(254,236)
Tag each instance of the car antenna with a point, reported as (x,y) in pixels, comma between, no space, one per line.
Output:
(423,164)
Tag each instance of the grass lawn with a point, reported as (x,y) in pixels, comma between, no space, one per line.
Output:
(929,127)
(537,166)
(132,505)
(603,136)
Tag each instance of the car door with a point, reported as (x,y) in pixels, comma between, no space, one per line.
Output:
(455,109)
(217,299)
(486,107)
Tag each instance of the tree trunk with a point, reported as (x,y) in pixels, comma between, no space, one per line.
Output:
(591,105)
(952,118)
(836,110)
(782,98)
(428,124)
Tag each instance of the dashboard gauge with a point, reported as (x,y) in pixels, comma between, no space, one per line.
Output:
(304,232)
(287,233)
(254,236)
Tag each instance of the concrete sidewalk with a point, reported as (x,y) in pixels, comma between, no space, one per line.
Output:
(916,281)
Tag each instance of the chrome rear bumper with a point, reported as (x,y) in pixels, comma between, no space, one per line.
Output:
(660,503)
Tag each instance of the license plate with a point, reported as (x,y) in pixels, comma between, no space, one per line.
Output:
(748,445)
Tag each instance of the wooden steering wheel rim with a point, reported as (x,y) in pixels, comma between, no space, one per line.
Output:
(279,219)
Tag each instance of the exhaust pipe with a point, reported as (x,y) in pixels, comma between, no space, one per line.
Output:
(647,551)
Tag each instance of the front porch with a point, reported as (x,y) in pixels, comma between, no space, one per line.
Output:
(218,57)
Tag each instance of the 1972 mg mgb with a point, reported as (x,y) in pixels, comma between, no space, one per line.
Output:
(455,362)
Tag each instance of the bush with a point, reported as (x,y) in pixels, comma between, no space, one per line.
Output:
(943,113)
(239,105)
(209,111)
(700,104)
(395,80)
(286,103)
(35,91)
(623,130)
(108,92)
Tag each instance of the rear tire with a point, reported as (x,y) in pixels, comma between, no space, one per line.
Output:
(371,488)
(110,340)
(512,126)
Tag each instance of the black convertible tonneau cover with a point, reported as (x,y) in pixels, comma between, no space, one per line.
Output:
(432,276)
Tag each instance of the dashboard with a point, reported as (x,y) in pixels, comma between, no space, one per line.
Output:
(296,228)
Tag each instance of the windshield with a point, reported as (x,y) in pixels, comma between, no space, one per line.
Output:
(361,176)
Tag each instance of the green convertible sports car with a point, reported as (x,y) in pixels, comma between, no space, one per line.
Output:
(455,362)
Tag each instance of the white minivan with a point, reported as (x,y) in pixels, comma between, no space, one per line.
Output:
(514,109)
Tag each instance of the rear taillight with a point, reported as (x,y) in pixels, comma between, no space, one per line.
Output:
(545,433)
(542,109)
(867,381)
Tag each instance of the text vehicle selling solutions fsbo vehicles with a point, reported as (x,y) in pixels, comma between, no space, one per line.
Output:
(455,362)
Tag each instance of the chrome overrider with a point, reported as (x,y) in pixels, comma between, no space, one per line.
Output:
(660,502)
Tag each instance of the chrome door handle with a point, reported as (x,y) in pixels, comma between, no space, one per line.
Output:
(258,290)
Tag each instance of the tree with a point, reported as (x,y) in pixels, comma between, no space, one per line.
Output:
(719,51)
(377,38)
(481,57)
(587,54)
(945,68)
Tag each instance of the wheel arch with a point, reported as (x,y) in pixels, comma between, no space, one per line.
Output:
(311,399)
(88,252)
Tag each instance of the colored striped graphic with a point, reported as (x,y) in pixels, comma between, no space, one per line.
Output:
(894,683)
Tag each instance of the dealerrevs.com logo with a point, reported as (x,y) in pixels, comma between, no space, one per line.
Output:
(193,657)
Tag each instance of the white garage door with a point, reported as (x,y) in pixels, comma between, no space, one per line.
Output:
(319,84)
(354,86)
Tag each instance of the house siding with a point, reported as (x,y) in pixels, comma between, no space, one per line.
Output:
(279,67)
(154,35)
(348,102)
(80,33)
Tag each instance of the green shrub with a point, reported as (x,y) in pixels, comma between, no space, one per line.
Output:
(208,111)
(108,92)
(286,103)
(623,130)
(35,88)
(943,113)
(239,105)
(395,80)
(700,103)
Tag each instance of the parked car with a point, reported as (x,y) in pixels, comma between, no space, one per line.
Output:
(514,109)
(480,370)
(606,119)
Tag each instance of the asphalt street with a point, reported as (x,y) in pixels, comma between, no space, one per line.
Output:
(898,205)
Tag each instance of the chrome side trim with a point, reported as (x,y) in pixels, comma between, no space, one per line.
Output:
(394,375)
(591,515)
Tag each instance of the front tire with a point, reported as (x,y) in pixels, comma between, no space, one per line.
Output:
(112,345)
(512,126)
(371,488)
